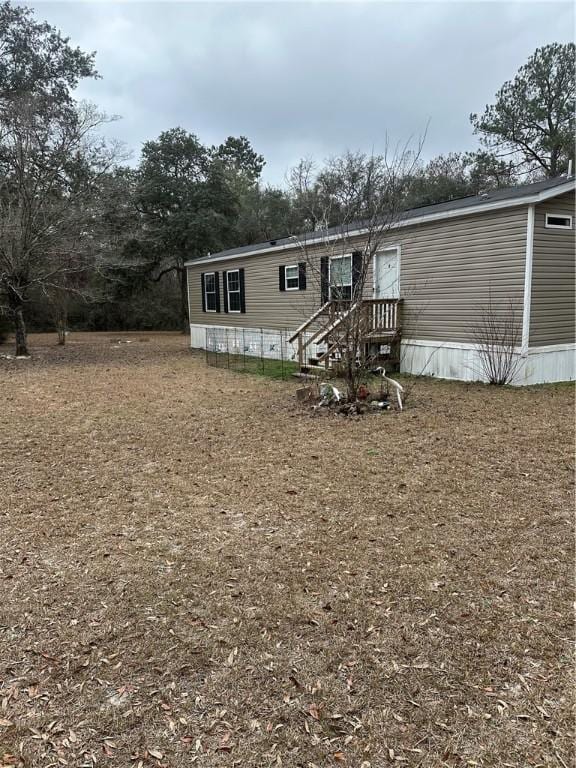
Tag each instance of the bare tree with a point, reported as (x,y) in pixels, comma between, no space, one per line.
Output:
(59,304)
(351,204)
(497,334)
(52,168)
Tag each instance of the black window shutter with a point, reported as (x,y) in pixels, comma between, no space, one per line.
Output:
(302,276)
(282,278)
(356,273)
(217,289)
(225,289)
(324,279)
(203,292)
(242,292)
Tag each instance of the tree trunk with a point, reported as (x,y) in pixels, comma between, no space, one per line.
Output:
(551,170)
(62,325)
(20,331)
(184,319)
(351,383)
(554,157)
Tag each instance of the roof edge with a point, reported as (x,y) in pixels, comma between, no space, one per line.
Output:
(300,242)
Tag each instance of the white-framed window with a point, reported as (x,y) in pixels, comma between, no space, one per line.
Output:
(292,277)
(340,278)
(558,221)
(210,300)
(233,290)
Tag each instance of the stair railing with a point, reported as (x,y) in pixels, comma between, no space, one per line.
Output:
(377,316)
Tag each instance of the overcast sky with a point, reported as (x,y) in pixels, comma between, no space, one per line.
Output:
(305,79)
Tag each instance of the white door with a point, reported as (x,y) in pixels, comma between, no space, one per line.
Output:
(386,274)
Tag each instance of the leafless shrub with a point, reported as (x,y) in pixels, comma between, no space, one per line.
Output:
(497,334)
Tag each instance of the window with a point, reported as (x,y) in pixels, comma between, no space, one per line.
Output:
(554,221)
(210,292)
(233,288)
(341,278)
(291,277)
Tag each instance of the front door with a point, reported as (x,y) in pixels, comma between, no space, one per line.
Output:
(386,274)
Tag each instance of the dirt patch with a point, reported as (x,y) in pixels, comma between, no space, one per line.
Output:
(191,572)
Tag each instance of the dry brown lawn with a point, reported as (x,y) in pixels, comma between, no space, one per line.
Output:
(194,570)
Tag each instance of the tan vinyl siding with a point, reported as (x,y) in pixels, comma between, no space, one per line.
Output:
(266,305)
(552,316)
(448,268)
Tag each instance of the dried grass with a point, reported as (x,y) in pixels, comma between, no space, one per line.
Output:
(195,570)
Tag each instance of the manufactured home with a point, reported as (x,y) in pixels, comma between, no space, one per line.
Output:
(435,269)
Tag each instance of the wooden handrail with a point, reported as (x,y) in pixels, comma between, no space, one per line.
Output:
(325,355)
(320,336)
(382,301)
(310,320)
(378,318)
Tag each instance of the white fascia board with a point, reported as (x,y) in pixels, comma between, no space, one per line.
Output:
(188,298)
(569,347)
(439,344)
(456,213)
(461,345)
(527,280)
(466,345)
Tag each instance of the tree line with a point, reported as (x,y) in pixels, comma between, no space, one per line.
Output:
(90,241)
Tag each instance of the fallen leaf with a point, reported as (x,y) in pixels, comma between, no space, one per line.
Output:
(224,745)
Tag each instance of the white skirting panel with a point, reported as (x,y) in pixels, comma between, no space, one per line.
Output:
(454,360)
(445,360)
(260,342)
(550,364)
(198,336)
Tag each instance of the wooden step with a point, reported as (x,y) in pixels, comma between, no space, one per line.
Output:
(303,375)
(325,371)
(374,336)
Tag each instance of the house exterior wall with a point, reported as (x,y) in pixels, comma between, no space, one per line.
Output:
(266,305)
(552,315)
(448,269)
